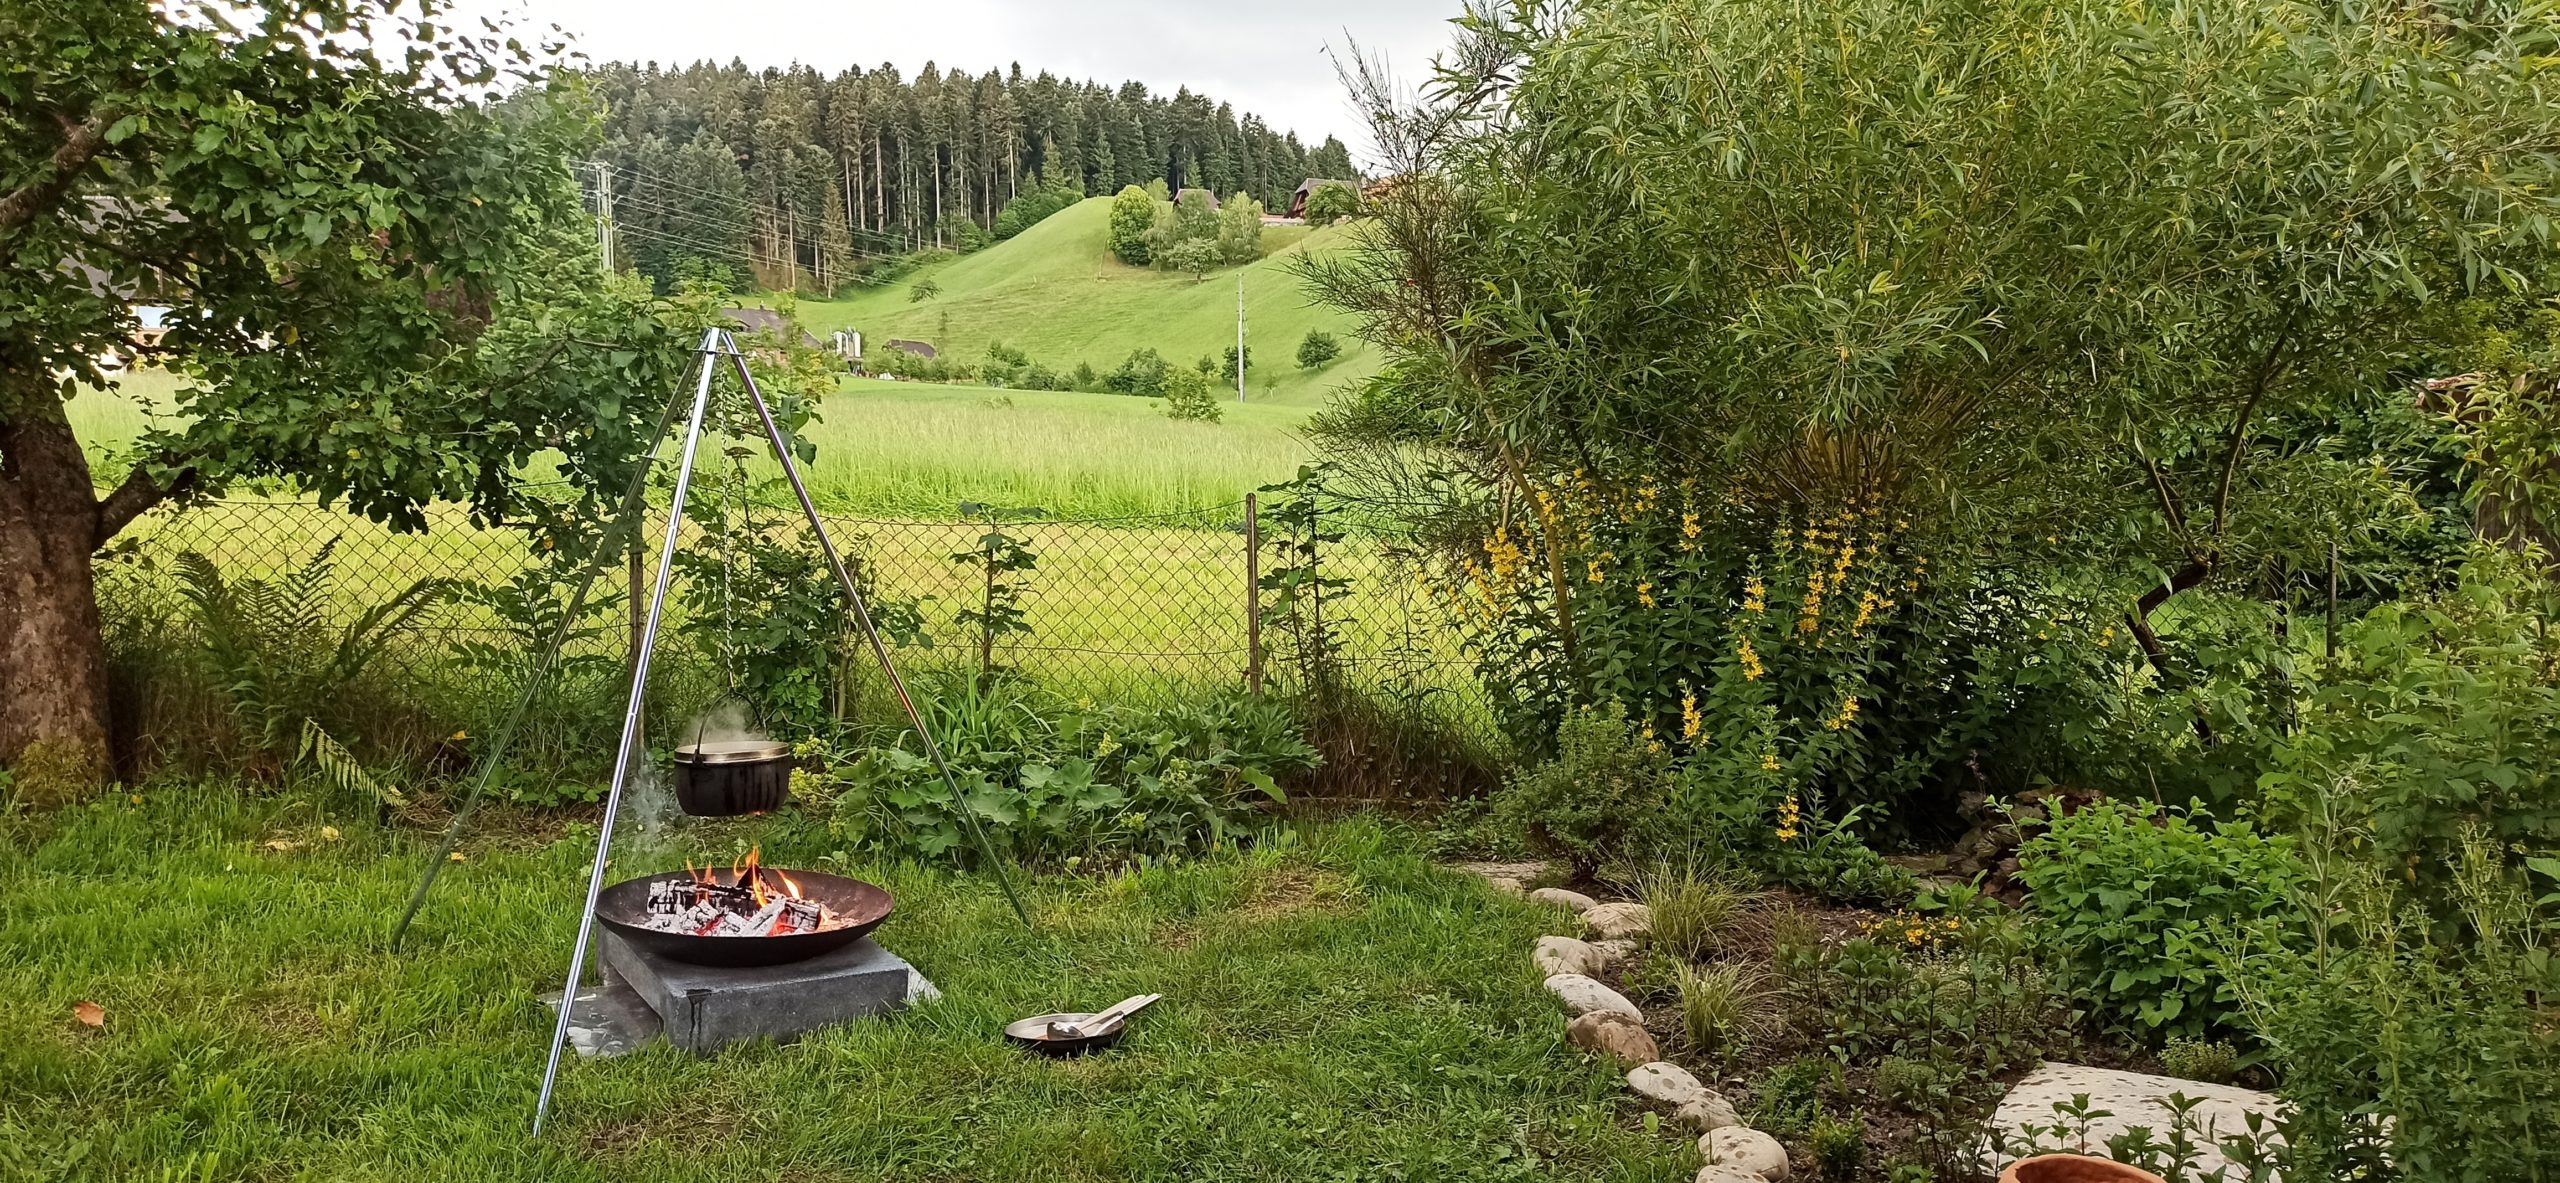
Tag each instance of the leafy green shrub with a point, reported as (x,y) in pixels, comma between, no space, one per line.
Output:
(1050,779)
(1187,396)
(2444,713)
(1317,348)
(2210,1060)
(2411,1047)
(1839,1145)
(1331,202)
(923,290)
(2140,908)
(1592,801)
(1132,212)
(1788,1099)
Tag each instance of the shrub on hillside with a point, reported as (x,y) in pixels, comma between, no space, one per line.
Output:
(2142,910)
(1029,207)
(1317,348)
(1194,257)
(1132,212)
(1143,373)
(1240,229)
(1330,203)
(1187,396)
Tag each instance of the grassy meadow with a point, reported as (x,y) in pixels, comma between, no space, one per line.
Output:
(917,449)
(1055,292)
(1335,1009)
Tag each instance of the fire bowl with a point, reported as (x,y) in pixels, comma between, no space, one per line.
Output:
(623,906)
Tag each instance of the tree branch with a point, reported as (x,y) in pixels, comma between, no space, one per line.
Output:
(134,498)
(80,144)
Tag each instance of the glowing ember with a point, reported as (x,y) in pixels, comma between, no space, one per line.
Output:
(752,902)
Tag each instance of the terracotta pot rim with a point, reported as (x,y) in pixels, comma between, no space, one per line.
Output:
(2100,1169)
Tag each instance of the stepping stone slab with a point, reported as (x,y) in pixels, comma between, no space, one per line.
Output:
(1716,1172)
(1583,995)
(2136,1099)
(1666,1086)
(1746,1149)
(1706,1116)
(1571,901)
(1565,955)
(1616,922)
(1497,873)
(1613,1035)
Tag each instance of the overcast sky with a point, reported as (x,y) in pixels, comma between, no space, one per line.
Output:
(1264,57)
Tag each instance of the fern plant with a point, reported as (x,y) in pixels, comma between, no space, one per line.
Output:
(273,647)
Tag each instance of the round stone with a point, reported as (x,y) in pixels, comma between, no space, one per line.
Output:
(1613,1035)
(1666,1086)
(1616,922)
(1747,1149)
(1571,901)
(1583,995)
(1716,1172)
(1565,955)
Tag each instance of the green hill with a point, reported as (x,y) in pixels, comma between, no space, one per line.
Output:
(1055,292)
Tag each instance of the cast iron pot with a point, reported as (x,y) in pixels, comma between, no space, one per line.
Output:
(624,905)
(727,777)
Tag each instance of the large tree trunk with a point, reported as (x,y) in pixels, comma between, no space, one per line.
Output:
(53,667)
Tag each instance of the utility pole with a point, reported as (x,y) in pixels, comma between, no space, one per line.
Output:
(604,213)
(1239,336)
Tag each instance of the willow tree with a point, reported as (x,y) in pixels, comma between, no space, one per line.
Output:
(2034,269)
(376,293)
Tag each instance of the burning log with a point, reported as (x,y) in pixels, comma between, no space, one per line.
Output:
(754,903)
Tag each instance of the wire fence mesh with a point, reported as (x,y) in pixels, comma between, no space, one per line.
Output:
(1150,606)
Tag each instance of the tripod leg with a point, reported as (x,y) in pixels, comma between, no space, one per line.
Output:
(627,751)
(870,632)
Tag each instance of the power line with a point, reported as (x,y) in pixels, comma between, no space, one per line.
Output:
(736,203)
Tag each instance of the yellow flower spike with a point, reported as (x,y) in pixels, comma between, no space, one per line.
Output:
(1750,658)
(1691,722)
(1644,594)
(1769,762)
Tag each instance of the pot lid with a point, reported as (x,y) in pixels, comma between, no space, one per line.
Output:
(732,751)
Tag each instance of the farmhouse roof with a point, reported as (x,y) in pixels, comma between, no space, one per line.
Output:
(1211,194)
(918,348)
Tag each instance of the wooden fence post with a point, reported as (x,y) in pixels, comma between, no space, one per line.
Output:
(1252,595)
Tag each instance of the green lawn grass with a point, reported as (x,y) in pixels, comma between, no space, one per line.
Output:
(1335,1009)
(1055,292)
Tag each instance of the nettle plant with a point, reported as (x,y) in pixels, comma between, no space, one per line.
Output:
(999,560)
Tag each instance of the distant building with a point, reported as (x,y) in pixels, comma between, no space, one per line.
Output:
(848,344)
(764,320)
(1307,188)
(918,348)
(1210,194)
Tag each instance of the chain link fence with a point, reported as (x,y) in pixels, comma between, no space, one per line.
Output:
(1153,606)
